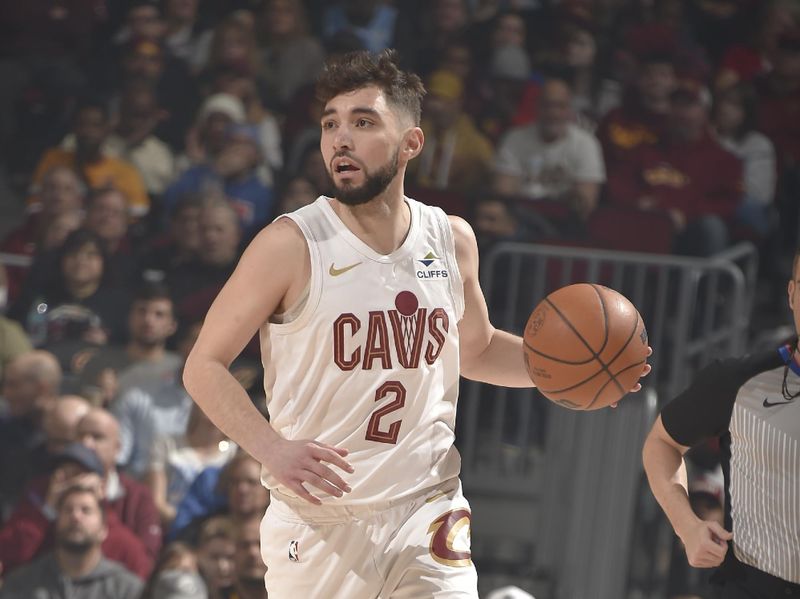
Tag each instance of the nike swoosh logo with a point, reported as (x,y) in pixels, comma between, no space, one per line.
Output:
(335,272)
(771,404)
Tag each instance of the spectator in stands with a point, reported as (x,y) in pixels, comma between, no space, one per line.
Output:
(195,285)
(28,532)
(553,159)
(31,386)
(500,93)
(186,38)
(91,128)
(160,408)
(234,489)
(106,216)
(291,58)
(249,565)
(176,575)
(216,549)
(436,25)
(60,423)
(61,196)
(142,22)
(778,97)
(144,360)
(234,49)
(40,49)
(131,501)
(297,192)
(245,87)
(177,460)
(180,244)
(78,558)
(456,155)
(687,174)
(373,22)
(144,62)
(206,138)
(747,59)
(734,119)
(233,173)
(642,117)
(136,141)
(13,340)
(83,302)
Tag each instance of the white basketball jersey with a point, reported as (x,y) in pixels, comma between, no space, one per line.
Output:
(371,361)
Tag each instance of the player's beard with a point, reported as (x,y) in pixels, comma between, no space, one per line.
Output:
(374,184)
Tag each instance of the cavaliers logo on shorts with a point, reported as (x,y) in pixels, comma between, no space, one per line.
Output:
(450,542)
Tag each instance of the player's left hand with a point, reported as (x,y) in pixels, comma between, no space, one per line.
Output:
(645,371)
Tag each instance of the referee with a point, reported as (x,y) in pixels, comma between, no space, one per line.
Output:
(751,404)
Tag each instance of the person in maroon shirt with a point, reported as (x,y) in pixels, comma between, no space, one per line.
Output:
(688,174)
(29,530)
(643,115)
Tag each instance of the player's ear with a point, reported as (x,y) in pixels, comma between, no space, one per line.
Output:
(791,289)
(413,142)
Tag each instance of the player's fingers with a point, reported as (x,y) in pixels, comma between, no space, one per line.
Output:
(329,454)
(649,351)
(712,549)
(720,532)
(636,388)
(301,492)
(646,370)
(322,484)
(324,472)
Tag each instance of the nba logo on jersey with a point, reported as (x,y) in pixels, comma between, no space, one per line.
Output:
(294,554)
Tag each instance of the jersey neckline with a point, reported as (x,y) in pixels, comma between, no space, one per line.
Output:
(357,244)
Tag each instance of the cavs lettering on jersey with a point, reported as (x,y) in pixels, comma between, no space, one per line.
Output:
(370,362)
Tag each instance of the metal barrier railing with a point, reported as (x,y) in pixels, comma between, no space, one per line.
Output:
(555,493)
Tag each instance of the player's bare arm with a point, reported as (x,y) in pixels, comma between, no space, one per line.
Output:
(705,541)
(270,276)
(487,354)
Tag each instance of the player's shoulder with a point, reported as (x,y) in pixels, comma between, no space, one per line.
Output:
(463,235)
(281,235)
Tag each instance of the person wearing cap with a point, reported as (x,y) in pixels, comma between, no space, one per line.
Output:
(206,138)
(28,533)
(456,155)
(232,172)
(688,175)
(77,567)
(552,159)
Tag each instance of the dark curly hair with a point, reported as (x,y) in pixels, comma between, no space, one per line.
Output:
(355,70)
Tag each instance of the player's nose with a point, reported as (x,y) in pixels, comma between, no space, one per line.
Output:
(342,140)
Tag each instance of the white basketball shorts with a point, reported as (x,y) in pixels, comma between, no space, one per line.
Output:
(413,548)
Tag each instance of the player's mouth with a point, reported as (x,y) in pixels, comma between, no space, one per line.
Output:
(344,166)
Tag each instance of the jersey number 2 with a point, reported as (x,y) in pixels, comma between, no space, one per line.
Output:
(374,431)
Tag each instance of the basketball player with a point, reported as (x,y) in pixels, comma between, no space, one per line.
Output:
(751,404)
(369,308)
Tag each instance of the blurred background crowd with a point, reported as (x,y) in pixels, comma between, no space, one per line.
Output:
(144,142)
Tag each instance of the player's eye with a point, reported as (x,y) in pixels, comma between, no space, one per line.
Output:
(328,125)
(363,123)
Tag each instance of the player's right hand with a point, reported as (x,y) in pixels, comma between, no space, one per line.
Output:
(706,544)
(295,463)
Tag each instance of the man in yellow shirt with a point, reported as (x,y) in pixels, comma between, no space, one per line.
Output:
(87,159)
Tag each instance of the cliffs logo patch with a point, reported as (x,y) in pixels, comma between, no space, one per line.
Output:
(428,272)
(429,259)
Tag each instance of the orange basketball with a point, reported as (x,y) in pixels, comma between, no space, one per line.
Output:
(585,346)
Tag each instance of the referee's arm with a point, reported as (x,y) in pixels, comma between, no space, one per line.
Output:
(705,542)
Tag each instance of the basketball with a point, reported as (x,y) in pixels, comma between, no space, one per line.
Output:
(585,346)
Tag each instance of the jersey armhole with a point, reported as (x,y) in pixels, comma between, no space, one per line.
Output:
(454,281)
(314,285)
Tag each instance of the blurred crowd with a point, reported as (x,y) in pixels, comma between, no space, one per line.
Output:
(149,140)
